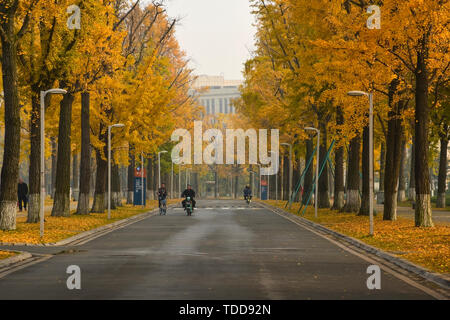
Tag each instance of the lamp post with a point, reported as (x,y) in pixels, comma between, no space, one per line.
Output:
(290,167)
(117,125)
(159,167)
(316,195)
(370,96)
(42,176)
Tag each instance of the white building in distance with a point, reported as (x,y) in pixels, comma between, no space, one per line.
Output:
(216,94)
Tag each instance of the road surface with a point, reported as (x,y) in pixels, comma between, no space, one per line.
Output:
(226,250)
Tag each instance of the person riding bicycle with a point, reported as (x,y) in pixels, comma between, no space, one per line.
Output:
(189,192)
(247,192)
(162,195)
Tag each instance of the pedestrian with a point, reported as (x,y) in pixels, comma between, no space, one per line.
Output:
(22,194)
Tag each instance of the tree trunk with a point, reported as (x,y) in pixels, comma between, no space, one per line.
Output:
(307,185)
(35,158)
(412,175)
(324,194)
(99,205)
(154,177)
(130,177)
(403,175)
(423,215)
(54,147)
(85,160)
(297,175)
(11,154)
(196,185)
(365,199)
(380,195)
(115,186)
(61,204)
(285,191)
(392,170)
(150,177)
(442,180)
(236,182)
(339,195)
(353,199)
(216,182)
(75,178)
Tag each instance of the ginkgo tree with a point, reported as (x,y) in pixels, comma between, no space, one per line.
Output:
(302,70)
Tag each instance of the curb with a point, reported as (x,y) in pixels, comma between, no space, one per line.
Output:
(110,226)
(441,280)
(15,259)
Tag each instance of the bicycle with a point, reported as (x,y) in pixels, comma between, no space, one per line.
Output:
(162,207)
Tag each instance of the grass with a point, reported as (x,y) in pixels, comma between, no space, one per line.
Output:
(428,247)
(7,254)
(60,228)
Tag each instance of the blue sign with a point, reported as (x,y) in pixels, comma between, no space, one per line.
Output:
(137,197)
(263,192)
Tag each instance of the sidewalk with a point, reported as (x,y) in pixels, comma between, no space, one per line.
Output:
(439,215)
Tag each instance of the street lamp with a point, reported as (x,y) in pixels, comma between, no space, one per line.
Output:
(316,196)
(370,96)
(290,166)
(42,176)
(159,167)
(117,125)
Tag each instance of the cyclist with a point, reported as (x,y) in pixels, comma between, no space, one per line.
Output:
(162,198)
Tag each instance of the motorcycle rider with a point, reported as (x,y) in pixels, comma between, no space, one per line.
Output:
(247,192)
(189,192)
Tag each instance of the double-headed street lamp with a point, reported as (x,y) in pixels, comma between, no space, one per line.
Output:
(42,176)
(370,96)
(117,125)
(316,195)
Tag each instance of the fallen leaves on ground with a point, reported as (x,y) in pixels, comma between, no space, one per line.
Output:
(60,228)
(428,247)
(7,254)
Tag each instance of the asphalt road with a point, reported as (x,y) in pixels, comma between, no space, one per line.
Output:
(224,251)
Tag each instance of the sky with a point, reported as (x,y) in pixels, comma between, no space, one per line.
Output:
(217,35)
